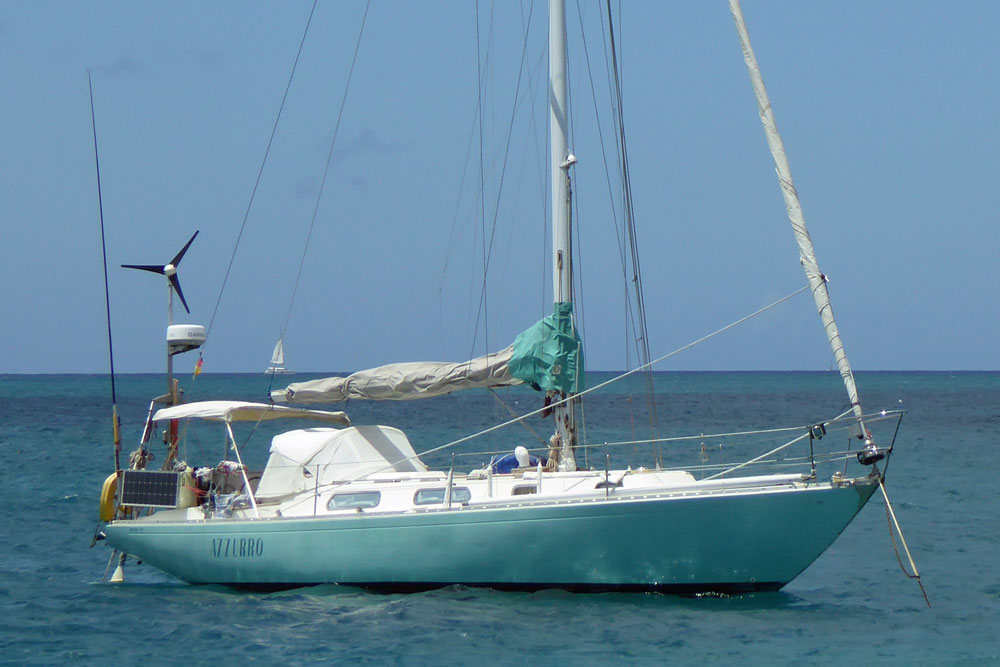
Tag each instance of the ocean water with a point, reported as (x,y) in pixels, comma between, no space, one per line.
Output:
(853,605)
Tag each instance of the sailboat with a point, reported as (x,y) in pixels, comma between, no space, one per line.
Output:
(356,505)
(277,366)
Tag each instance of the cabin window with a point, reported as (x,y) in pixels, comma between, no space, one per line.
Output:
(523,490)
(358,500)
(459,495)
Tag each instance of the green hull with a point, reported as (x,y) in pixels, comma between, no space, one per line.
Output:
(726,542)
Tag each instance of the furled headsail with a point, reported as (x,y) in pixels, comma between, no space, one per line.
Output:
(817,280)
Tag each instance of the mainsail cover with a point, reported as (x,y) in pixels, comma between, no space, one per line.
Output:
(548,356)
(405,381)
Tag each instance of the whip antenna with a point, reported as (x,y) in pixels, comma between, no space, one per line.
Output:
(107,294)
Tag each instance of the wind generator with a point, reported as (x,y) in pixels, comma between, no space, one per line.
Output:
(180,337)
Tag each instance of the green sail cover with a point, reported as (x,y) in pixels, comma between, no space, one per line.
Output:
(549,355)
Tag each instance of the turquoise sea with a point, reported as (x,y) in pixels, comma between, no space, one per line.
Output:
(852,606)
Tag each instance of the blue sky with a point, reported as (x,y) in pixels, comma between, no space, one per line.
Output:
(889,113)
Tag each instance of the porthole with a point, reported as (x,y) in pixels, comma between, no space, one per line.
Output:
(459,496)
(357,500)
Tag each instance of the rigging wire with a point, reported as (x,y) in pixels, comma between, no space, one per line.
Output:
(576,239)
(449,247)
(513,413)
(620,235)
(839,422)
(464,215)
(642,342)
(617,378)
(482,310)
(640,337)
(434,295)
(604,154)
(253,192)
(482,176)
(322,186)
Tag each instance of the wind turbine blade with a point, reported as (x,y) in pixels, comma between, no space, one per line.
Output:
(177,288)
(152,268)
(177,260)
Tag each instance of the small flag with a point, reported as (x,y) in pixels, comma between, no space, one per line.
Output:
(197,367)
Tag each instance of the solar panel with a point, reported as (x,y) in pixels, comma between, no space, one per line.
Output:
(150,488)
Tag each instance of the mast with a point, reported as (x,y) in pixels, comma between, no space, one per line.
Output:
(562,270)
(807,255)
(561,161)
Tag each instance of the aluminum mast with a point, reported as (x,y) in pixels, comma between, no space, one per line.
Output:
(561,161)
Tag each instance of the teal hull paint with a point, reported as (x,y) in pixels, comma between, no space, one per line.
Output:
(729,542)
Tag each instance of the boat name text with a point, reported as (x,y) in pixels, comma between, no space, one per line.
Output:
(237,547)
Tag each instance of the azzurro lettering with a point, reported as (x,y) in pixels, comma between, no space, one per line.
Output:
(237,547)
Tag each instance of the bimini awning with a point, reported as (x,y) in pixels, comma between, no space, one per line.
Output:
(237,411)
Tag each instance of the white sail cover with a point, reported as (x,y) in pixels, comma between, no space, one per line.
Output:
(302,459)
(405,381)
(817,281)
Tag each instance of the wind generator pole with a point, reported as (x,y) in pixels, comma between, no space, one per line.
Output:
(170,358)
(182,337)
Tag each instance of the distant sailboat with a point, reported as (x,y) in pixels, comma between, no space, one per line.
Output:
(277,366)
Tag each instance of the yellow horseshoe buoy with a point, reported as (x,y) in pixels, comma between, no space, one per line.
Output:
(107,506)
